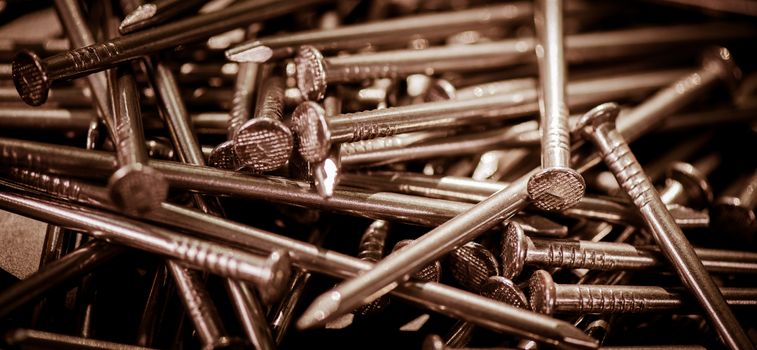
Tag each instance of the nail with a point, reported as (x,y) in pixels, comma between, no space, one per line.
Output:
(314,72)
(434,342)
(34,75)
(429,26)
(28,338)
(69,267)
(687,183)
(598,125)
(269,274)
(72,18)
(154,312)
(135,187)
(245,84)
(556,186)
(521,102)
(519,250)
(431,246)
(199,306)
(548,297)
(468,190)
(471,265)
(264,143)
(156,12)
(371,249)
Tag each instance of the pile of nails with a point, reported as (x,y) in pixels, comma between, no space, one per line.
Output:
(379,174)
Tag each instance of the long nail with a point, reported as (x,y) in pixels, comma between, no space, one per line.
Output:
(556,186)
(269,275)
(34,75)
(28,338)
(314,72)
(519,250)
(430,26)
(548,297)
(598,125)
(580,94)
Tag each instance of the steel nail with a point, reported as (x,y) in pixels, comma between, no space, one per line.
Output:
(156,12)
(34,75)
(264,143)
(28,338)
(519,250)
(598,125)
(548,297)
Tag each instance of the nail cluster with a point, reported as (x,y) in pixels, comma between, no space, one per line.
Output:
(423,174)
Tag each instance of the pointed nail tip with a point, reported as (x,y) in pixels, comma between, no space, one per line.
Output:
(141,14)
(255,54)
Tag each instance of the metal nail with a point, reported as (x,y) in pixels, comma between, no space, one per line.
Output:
(314,72)
(548,297)
(34,75)
(598,125)
(519,250)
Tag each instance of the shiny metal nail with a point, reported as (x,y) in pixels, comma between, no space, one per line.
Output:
(556,187)
(28,338)
(435,296)
(548,297)
(264,143)
(314,72)
(598,125)
(519,250)
(429,26)
(34,75)
(429,247)
(269,275)
(580,94)
(78,32)
(371,249)
(251,315)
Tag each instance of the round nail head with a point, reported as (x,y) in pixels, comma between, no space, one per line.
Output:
(694,183)
(514,248)
(504,290)
(556,189)
(311,73)
(263,144)
(137,189)
(279,266)
(312,129)
(30,78)
(542,292)
(599,115)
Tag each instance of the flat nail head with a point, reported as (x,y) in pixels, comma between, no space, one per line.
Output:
(30,77)
(471,265)
(312,129)
(280,266)
(556,189)
(137,189)
(514,249)
(694,182)
(263,144)
(224,157)
(502,289)
(597,116)
(542,292)
(311,73)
